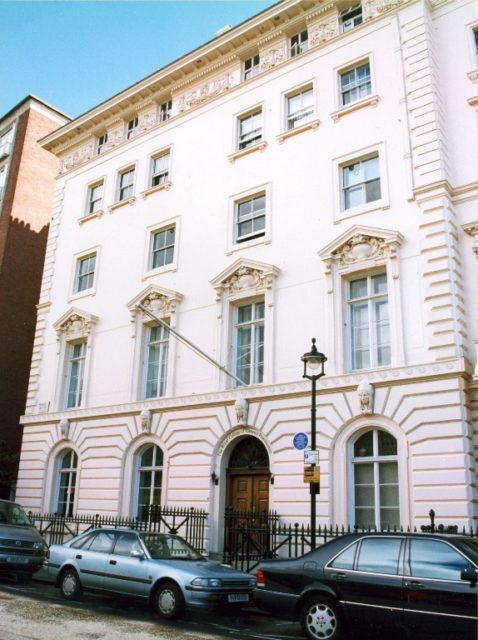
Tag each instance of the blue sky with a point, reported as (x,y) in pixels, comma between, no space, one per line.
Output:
(75,54)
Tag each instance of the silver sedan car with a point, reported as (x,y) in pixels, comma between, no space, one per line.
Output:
(157,567)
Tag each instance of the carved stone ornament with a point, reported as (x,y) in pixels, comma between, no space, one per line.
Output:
(374,8)
(159,303)
(83,154)
(271,58)
(65,429)
(205,92)
(75,324)
(360,247)
(147,120)
(366,393)
(323,32)
(146,418)
(472,230)
(246,278)
(241,407)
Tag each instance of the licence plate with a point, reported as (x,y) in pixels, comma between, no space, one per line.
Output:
(238,597)
(17,559)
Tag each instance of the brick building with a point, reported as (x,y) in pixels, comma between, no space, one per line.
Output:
(26,190)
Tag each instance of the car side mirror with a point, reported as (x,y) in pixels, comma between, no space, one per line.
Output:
(470,574)
(137,554)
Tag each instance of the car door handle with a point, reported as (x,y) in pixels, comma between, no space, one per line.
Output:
(339,576)
(414,584)
(112,561)
(79,556)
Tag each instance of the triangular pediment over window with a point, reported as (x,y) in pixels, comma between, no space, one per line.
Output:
(156,299)
(361,245)
(245,275)
(75,324)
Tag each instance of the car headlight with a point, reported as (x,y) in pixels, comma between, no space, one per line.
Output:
(206,582)
(41,546)
(253,582)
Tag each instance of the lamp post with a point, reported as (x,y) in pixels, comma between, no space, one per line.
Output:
(313,370)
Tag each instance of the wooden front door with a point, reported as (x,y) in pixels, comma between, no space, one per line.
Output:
(248,491)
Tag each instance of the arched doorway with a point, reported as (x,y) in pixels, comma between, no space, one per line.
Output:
(248,476)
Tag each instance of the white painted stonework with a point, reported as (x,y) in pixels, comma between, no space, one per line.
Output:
(420,117)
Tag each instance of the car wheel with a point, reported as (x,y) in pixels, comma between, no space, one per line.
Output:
(70,585)
(168,600)
(321,619)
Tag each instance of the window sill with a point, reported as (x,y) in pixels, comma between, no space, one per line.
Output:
(354,106)
(247,244)
(121,203)
(260,146)
(473,75)
(82,294)
(90,216)
(155,272)
(369,207)
(163,186)
(313,124)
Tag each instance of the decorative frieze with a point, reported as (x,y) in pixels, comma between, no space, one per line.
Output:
(373,8)
(207,91)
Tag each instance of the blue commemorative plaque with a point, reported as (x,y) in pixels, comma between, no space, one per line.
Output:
(300,440)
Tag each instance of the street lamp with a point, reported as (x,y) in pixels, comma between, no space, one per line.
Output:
(313,370)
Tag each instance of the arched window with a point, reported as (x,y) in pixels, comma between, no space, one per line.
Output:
(374,463)
(149,473)
(67,463)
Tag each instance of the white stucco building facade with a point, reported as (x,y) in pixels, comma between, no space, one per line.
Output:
(309,173)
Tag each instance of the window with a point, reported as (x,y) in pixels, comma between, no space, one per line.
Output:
(436,560)
(162,247)
(250,218)
(94,199)
(351,18)
(250,342)
(67,463)
(251,67)
(355,84)
(475,34)
(165,110)
(125,184)
(300,108)
(156,361)
(3,180)
(250,129)
(126,543)
(149,479)
(6,142)
(379,555)
(75,373)
(299,43)
(102,542)
(369,322)
(85,273)
(102,144)
(375,479)
(132,128)
(160,169)
(361,182)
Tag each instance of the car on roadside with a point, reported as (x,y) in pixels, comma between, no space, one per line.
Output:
(421,585)
(160,568)
(22,549)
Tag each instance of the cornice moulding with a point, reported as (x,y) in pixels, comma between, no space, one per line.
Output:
(456,367)
(204,72)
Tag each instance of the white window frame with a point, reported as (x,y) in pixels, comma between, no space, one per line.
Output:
(7,137)
(359,155)
(362,185)
(163,250)
(85,273)
(371,300)
(102,143)
(72,487)
(164,343)
(164,173)
(256,369)
(77,260)
(259,237)
(87,213)
(346,22)
(243,138)
(302,44)
(164,110)
(254,66)
(357,85)
(309,117)
(154,470)
(80,361)
(132,128)
(148,270)
(120,188)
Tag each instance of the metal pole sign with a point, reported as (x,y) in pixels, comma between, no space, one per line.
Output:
(312,474)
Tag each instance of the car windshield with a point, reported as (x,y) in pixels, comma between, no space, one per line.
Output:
(470,547)
(11,513)
(164,546)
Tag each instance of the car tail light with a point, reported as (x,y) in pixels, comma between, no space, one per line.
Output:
(261,581)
